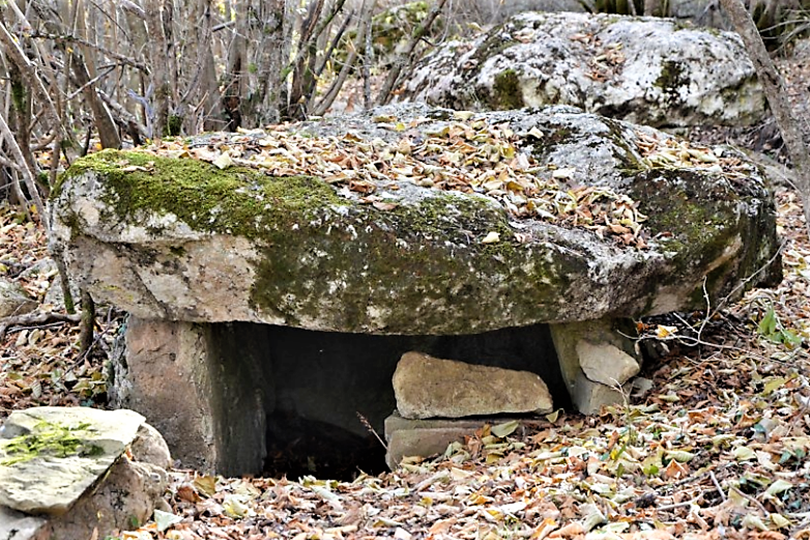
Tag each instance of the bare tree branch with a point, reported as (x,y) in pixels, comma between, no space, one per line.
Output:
(774,88)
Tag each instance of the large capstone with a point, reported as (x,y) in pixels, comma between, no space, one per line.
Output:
(546,225)
(654,71)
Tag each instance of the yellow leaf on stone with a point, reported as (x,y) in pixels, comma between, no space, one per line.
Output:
(491,238)
(563,173)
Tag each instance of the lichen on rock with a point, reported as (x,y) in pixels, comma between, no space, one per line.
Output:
(658,72)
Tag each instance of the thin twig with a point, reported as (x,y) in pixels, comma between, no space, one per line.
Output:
(717,485)
(367,424)
(679,505)
(35,319)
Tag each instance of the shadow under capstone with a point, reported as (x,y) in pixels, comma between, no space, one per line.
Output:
(312,387)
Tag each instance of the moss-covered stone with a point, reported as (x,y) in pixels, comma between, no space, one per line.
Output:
(50,439)
(694,215)
(403,254)
(239,201)
(184,240)
(672,77)
(607,73)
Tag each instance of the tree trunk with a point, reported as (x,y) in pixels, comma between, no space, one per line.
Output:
(774,88)
(158,14)
(107,130)
(256,64)
(87,324)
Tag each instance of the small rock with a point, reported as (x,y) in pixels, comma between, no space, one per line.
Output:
(150,447)
(427,387)
(423,438)
(605,363)
(18,526)
(14,300)
(589,397)
(49,456)
(124,500)
(68,464)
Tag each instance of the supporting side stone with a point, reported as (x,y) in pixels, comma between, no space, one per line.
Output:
(596,360)
(209,412)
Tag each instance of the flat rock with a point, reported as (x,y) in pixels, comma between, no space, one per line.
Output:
(428,387)
(14,300)
(411,236)
(654,71)
(605,363)
(424,438)
(49,456)
(18,526)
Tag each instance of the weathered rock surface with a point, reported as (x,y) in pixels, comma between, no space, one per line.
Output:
(180,239)
(605,363)
(407,437)
(14,300)
(428,387)
(211,413)
(67,465)
(49,456)
(18,526)
(127,496)
(597,362)
(647,70)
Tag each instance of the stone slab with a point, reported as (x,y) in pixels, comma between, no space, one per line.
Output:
(49,456)
(161,238)
(15,525)
(424,438)
(589,397)
(427,387)
(605,363)
(208,409)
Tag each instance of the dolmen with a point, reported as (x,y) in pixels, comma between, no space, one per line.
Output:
(275,279)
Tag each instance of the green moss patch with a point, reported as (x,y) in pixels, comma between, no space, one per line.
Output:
(49,439)
(238,200)
(314,272)
(506,92)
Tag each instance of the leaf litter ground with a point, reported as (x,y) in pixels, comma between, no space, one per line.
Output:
(713,443)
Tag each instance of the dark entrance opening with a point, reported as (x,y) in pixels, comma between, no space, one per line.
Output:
(318,389)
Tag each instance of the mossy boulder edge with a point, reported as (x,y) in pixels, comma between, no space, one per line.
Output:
(180,239)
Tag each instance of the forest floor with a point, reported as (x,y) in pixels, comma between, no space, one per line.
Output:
(714,446)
